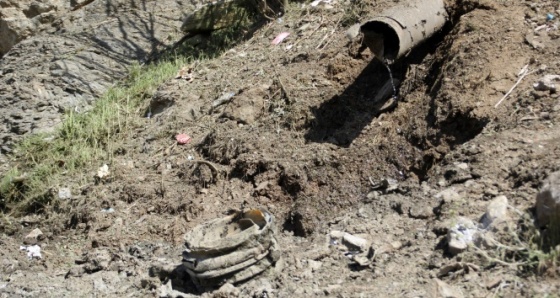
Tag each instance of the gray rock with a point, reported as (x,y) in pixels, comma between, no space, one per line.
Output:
(34,237)
(548,201)
(496,212)
(448,195)
(461,233)
(355,242)
(353,31)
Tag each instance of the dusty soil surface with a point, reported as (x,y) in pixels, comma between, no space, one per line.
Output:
(304,138)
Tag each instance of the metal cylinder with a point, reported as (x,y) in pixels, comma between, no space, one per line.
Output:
(395,31)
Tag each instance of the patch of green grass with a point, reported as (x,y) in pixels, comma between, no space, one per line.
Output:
(84,141)
(81,141)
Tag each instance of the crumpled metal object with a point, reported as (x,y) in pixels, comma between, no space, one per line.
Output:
(231,249)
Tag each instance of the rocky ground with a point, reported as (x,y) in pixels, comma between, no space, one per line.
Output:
(304,137)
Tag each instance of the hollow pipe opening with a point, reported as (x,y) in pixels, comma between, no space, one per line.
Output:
(395,31)
(381,39)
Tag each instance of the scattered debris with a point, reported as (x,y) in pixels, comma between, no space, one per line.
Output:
(232,249)
(183,139)
(280,37)
(549,17)
(33,251)
(108,210)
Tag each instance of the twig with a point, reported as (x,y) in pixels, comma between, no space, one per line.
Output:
(491,259)
(522,75)
(286,93)
(506,247)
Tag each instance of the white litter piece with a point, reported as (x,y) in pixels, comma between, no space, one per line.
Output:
(33,251)
(103,171)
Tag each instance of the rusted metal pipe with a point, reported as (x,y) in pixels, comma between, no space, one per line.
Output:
(395,31)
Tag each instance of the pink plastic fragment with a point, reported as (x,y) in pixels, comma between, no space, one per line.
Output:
(280,37)
(183,139)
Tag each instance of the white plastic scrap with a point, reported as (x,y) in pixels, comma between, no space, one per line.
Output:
(103,171)
(317,2)
(33,251)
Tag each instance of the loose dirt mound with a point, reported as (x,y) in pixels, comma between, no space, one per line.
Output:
(303,137)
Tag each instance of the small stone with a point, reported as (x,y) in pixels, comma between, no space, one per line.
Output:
(548,201)
(34,237)
(496,212)
(493,282)
(457,173)
(419,212)
(75,271)
(444,290)
(361,260)
(460,235)
(354,242)
(374,194)
(337,235)
(448,195)
(353,31)
(227,290)
(386,248)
